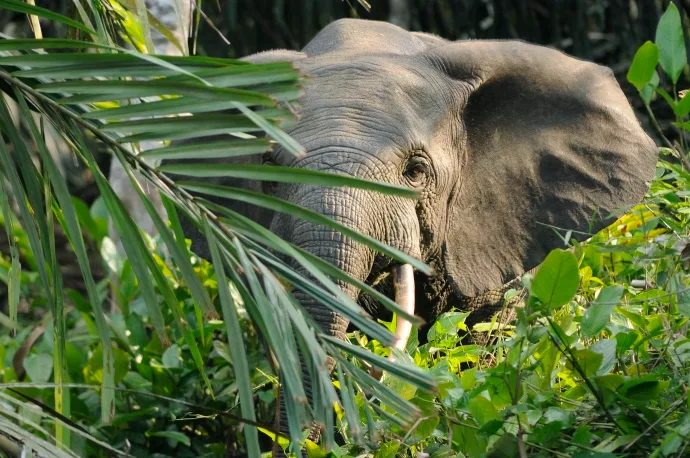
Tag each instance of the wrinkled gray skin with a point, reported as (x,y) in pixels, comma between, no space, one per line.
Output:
(497,136)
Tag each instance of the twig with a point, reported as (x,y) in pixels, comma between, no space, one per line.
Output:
(656,125)
(210,410)
(34,22)
(11,448)
(670,145)
(210,23)
(567,353)
(672,409)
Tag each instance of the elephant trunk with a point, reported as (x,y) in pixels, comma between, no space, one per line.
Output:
(355,259)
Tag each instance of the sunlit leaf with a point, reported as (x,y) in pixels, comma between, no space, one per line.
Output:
(597,316)
(557,280)
(643,66)
(671,43)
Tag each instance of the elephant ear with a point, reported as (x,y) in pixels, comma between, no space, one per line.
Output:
(551,142)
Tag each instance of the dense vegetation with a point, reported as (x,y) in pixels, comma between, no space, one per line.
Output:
(595,365)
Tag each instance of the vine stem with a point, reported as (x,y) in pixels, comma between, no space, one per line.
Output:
(568,354)
(670,145)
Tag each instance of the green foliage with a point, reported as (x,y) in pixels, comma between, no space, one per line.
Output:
(163,407)
(594,365)
(596,362)
(644,64)
(671,43)
(160,341)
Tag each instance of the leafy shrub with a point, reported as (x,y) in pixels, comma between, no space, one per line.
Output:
(595,364)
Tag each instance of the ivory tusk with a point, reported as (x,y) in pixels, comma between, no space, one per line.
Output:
(403,285)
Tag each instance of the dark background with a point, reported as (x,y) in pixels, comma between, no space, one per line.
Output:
(606,31)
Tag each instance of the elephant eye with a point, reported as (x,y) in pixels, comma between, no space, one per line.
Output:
(267,158)
(417,169)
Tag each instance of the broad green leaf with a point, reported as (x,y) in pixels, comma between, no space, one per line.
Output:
(171,356)
(587,360)
(388,449)
(682,108)
(174,436)
(625,340)
(448,323)
(671,43)
(39,367)
(649,90)
(676,437)
(607,349)
(557,279)
(643,66)
(236,343)
(482,410)
(94,369)
(562,416)
(597,315)
(643,388)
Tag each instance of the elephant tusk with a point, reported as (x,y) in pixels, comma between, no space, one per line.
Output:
(403,285)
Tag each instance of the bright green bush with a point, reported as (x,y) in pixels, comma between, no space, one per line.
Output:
(597,362)
(595,365)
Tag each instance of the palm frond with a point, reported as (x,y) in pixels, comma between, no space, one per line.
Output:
(183,96)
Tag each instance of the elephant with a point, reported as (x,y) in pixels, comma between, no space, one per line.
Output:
(503,141)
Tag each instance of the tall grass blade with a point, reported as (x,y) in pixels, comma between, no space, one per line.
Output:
(235,342)
(14,275)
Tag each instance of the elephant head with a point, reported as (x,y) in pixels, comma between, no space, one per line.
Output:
(503,141)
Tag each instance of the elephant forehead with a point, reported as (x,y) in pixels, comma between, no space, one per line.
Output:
(355,36)
(373,101)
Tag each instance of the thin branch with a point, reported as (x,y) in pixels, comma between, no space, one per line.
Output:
(568,354)
(668,412)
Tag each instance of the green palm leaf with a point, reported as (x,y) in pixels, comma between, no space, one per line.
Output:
(183,97)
